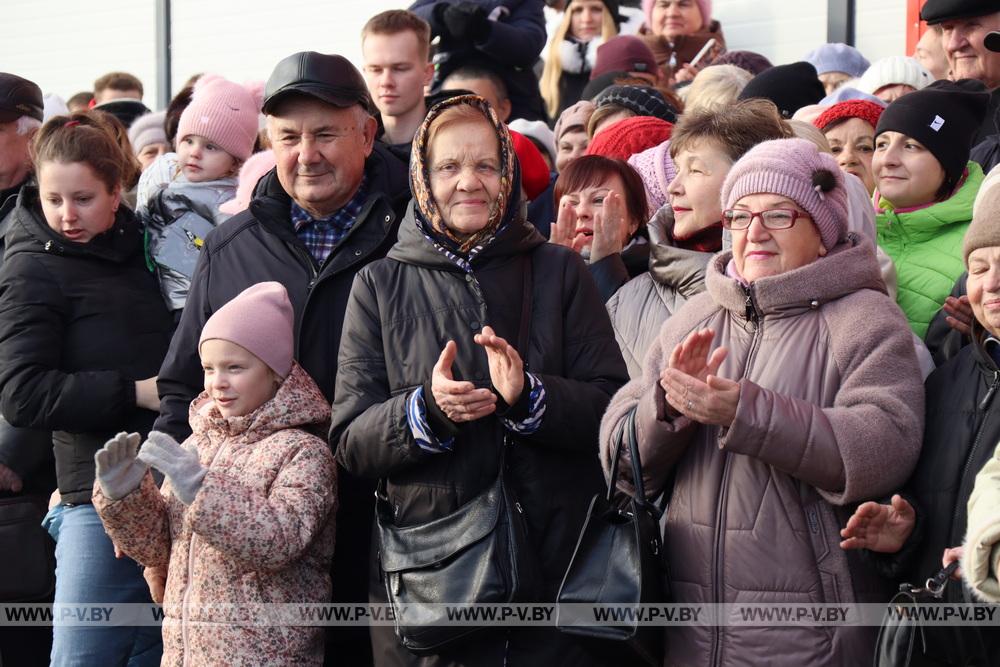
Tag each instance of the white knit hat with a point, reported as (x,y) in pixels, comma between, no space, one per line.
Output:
(537,130)
(892,71)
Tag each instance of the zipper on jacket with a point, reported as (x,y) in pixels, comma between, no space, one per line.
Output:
(753,316)
(983,405)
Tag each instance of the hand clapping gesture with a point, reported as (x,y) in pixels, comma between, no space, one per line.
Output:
(609,228)
(691,385)
(877,527)
(506,368)
(460,401)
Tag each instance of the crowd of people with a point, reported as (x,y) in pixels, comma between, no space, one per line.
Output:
(293,340)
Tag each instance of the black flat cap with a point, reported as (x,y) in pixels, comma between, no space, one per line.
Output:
(936,11)
(329,78)
(19,97)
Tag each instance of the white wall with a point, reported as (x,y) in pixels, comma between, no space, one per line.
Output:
(63,45)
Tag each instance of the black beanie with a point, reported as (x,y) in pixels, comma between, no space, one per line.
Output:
(790,87)
(944,117)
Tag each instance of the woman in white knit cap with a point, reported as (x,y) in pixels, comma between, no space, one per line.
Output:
(890,78)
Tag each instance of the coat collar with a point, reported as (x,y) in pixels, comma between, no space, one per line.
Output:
(849,267)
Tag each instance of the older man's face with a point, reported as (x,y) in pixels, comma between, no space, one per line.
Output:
(320,151)
(15,160)
(968,57)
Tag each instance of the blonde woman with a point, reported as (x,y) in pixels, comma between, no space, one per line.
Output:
(715,88)
(572,51)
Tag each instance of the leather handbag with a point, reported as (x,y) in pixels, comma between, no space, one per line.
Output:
(478,554)
(904,641)
(618,561)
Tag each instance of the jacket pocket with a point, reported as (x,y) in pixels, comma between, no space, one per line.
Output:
(818,517)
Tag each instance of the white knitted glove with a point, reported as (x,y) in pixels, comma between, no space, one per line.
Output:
(118,471)
(179,465)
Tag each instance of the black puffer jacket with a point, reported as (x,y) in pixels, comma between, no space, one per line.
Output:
(961,431)
(79,324)
(402,312)
(260,244)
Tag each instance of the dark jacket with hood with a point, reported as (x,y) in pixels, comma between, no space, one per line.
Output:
(402,312)
(258,245)
(79,324)
(961,430)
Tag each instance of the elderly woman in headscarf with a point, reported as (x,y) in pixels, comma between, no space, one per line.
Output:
(768,405)
(474,333)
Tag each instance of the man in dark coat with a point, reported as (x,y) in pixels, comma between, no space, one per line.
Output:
(331,205)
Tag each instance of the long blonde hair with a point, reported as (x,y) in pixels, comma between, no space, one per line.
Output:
(552,72)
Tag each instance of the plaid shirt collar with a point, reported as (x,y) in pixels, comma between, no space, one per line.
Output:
(343,218)
(321,235)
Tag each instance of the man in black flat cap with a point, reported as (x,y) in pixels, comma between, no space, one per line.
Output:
(965,26)
(331,205)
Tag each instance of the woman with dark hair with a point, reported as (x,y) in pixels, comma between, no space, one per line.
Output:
(602,213)
(475,345)
(925,188)
(83,331)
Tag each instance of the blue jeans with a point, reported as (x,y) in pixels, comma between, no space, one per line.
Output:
(88,572)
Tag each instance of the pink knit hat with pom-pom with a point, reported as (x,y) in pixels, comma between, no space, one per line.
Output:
(793,168)
(252,170)
(704,6)
(225,113)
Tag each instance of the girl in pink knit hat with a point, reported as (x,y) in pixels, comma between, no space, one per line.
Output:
(245,514)
(215,136)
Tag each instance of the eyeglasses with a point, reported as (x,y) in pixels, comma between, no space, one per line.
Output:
(775,218)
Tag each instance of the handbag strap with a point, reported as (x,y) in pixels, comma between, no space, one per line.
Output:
(524,332)
(936,584)
(627,431)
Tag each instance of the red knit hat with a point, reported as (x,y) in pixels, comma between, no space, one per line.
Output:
(863,109)
(534,172)
(627,137)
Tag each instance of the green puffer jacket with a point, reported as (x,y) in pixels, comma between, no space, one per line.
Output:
(926,247)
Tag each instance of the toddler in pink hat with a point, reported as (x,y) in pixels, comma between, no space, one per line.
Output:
(215,135)
(246,510)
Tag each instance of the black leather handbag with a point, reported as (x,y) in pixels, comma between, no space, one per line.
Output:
(618,561)
(904,641)
(478,554)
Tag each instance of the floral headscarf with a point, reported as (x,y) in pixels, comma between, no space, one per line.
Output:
(426,209)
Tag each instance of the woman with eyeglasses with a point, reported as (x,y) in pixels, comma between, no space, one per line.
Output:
(768,405)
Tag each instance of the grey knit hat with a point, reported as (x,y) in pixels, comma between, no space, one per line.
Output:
(984,232)
(146,130)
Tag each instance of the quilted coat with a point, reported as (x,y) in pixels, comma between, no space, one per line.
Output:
(259,531)
(830,412)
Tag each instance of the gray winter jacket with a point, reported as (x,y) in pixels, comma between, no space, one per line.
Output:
(639,309)
(830,413)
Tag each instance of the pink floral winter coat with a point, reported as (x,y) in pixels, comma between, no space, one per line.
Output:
(260,530)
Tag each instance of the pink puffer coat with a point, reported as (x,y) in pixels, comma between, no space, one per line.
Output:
(830,413)
(260,530)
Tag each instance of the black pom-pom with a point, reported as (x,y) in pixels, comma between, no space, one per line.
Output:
(824,180)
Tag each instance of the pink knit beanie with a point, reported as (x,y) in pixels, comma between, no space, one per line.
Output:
(793,168)
(251,172)
(259,319)
(704,6)
(225,113)
(657,170)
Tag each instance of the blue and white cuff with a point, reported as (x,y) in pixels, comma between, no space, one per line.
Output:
(416,417)
(536,408)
